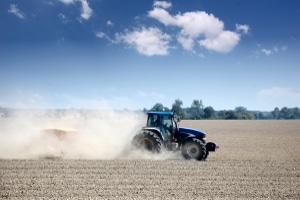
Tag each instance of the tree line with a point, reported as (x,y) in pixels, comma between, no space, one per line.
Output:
(197,111)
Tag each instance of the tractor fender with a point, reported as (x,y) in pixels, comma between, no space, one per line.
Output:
(188,133)
(156,131)
(191,137)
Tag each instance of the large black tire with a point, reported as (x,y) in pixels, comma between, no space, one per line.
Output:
(148,141)
(194,149)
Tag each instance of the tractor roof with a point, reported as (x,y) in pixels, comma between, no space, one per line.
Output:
(161,112)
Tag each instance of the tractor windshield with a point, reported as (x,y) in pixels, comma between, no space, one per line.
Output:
(168,126)
(167,123)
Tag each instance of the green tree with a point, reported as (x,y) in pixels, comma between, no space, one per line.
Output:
(296,113)
(284,113)
(209,113)
(240,109)
(230,114)
(243,113)
(196,111)
(275,113)
(260,115)
(177,108)
(157,107)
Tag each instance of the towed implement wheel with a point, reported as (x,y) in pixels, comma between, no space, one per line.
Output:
(194,149)
(148,141)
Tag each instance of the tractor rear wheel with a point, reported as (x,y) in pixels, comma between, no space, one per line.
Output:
(194,149)
(148,141)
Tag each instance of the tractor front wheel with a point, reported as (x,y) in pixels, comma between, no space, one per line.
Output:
(194,149)
(148,141)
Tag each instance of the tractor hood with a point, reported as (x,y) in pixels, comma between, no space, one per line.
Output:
(190,131)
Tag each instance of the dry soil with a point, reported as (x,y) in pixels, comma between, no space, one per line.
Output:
(256,160)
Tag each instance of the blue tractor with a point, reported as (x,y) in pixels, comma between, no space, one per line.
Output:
(163,133)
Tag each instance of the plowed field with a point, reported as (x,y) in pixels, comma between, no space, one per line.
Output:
(256,160)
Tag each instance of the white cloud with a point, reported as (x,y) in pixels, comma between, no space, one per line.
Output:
(109,23)
(278,97)
(225,42)
(270,51)
(68,1)
(267,52)
(63,18)
(162,15)
(101,35)
(201,26)
(195,28)
(242,27)
(195,24)
(13,8)
(86,11)
(162,4)
(147,41)
(186,42)
(274,50)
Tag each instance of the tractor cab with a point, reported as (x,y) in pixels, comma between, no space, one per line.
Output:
(164,122)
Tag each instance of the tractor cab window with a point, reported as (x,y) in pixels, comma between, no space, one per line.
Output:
(153,121)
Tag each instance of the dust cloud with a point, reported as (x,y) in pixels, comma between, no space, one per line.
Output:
(103,135)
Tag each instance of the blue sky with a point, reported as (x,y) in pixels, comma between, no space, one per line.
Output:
(132,54)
